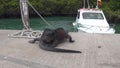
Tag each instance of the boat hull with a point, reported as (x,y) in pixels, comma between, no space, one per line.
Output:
(93,29)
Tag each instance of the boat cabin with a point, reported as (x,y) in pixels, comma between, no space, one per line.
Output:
(92,21)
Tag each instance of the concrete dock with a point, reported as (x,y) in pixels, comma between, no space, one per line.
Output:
(98,51)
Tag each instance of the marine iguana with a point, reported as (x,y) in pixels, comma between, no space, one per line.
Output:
(51,38)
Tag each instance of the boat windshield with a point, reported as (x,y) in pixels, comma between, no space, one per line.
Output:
(88,15)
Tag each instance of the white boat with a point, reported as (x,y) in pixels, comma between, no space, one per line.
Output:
(92,21)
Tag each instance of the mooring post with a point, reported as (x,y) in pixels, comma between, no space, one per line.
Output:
(27,32)
(24,14)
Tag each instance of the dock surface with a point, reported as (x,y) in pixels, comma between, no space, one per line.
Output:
(98,51)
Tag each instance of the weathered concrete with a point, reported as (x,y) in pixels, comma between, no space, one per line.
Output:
(98,51)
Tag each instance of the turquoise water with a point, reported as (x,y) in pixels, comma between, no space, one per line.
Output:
(117,28)
(38,24)
(10,24)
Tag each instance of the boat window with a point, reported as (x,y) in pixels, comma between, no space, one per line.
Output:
(88,15)
(78,15)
